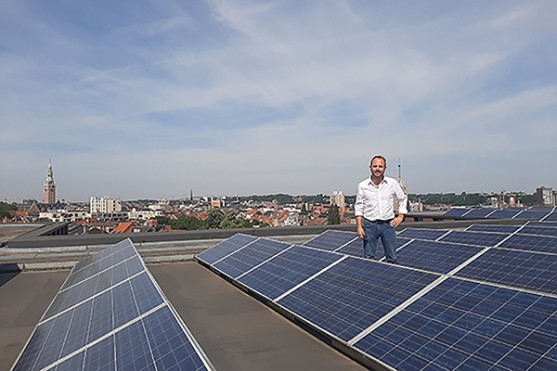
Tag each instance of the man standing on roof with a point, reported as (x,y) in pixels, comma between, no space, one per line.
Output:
(375,216)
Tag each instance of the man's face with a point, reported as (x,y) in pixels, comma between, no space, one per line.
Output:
(378,167)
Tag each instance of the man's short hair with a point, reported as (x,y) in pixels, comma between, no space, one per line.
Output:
(378,157)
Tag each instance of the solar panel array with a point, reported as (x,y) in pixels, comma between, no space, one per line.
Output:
(539,213)
(473,300)
(110,314)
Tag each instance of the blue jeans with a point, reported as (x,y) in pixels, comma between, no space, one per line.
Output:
(373,231)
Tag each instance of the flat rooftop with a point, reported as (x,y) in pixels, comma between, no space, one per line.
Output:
(236,331)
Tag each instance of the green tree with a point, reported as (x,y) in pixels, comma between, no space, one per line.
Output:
(214,218)
(5,209)
(187,222)
(333,216)
(163,220)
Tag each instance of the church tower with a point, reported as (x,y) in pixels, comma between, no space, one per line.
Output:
(49,189)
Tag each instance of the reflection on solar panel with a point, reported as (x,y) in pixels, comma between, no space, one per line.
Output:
(106,320)
(225,248)
(504,213)
(456,212)
(356,248)
(331,240)
(350,296)
(422,233)
(474,238)
(287,270)
(465,325)
(250,256)
(435,256)
(493,228)
(538,230)
(531,243)
(536,272)
(478,213)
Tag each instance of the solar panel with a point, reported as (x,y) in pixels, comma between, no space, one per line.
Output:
(530,243)
(508,229)
(435,256)
(478,213)
(225,248)
(331,240)
(504,213)
(551,217)
(473,238)
(94,285)
(550,231)
(522,269)
(250,256)
(287,270)
(543,223)
(456,212)
(425,314)
(356,248)
(466,325)
(82,326)
(534,213)
(350,296)
(423,233)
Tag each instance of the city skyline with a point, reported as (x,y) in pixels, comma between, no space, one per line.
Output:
(240,97)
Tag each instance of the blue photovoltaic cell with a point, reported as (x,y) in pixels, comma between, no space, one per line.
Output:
(100,356)
(465,325)
(454,213)
(534,213)
(94,285)
(474,238)
(89,321)
(124,247)
(540,231)
(423,234)
(552,217)
(356,248)
(331,240)
(493,228)
(94,268)
(155,342)
(531,243)
(504,213)
(352,295)
(172,348)
(523,269)
(250,256)
(286,270)
(224,248)
(544,223)
(478,213)
(435,256)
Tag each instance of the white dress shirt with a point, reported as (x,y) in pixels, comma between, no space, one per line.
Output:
(376,202)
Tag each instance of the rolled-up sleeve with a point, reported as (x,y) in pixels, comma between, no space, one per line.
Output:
(359,204)
(402,200)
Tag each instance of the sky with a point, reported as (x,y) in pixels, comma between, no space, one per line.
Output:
(137,99)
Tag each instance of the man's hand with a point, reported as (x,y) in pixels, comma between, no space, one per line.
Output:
(361,232)
(396,221)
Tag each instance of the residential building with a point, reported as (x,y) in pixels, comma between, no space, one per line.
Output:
(545,196)
(103,205)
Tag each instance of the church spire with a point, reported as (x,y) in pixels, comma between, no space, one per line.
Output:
(49,189)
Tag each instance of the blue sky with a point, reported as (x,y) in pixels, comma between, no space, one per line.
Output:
(149,99)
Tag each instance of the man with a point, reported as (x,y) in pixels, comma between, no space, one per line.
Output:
(375,216)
